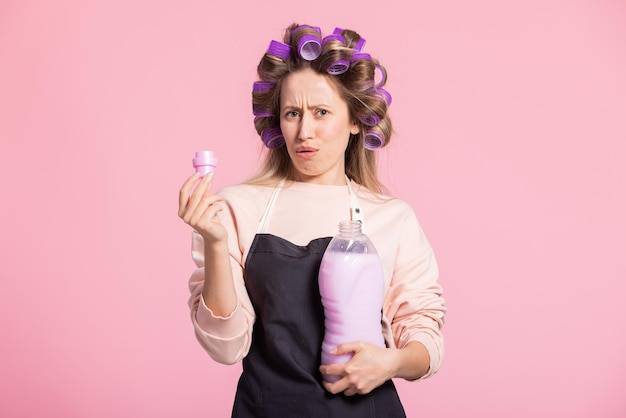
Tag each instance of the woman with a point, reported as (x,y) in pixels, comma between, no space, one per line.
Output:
(321,113)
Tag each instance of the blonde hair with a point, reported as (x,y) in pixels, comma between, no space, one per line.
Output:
(356,86)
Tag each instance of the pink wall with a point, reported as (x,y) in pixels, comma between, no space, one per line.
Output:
(511,146)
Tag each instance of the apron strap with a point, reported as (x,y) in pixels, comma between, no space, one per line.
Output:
(262,227)
(356,213)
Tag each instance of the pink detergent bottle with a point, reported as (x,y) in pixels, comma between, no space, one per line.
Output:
(351,283)
(205,162)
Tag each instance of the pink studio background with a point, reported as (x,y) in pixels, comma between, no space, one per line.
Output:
(510,145)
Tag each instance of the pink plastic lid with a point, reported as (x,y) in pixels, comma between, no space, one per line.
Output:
(205,162)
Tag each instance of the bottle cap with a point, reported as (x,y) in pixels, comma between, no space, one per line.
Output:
(205,162)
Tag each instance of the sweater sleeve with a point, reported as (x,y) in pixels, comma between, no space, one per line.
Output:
(414,302)
(226,339)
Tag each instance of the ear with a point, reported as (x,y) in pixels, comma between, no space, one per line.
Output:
(355,129)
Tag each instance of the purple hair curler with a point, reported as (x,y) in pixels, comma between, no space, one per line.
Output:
(309,47)
(280,50)
(369,119)
(383,76)
(360,56)
(359,44)
(259,111)
(334,37)
(315,28)
(338,67)
(373,140)
(205,162)
(273,138)
(383,94)
(262,86)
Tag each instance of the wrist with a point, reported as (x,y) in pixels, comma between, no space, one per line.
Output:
(412,361)
(215,246)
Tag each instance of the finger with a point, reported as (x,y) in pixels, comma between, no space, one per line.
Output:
(350,392)
(207,215)
(327,371)
(204,185)
(183,194)
(204,210)
(335,370)
(336,387)
(346,348)
(330,387)
(200,192)
(343,385)
(338,371)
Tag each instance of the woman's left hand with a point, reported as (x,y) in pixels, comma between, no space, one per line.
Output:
(369,367)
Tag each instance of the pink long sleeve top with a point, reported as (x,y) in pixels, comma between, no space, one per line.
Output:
(413,307)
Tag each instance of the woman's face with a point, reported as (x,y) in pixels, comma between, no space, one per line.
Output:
(316,124)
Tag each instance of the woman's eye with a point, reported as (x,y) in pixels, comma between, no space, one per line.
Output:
(292,114)
(322,112)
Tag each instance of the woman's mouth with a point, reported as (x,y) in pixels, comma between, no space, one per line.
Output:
(306,152)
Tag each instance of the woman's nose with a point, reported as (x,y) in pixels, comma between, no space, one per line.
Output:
(306,127)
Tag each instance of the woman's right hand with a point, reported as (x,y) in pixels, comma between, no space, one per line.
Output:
(199,208)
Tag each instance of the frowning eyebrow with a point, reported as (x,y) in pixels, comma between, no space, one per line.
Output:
(311,107)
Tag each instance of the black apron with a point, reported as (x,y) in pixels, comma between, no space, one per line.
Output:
(281,377)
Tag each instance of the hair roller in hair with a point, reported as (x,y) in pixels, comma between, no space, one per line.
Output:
(383,76)
(373,140)
(259,111)
(309,47)
(358,46)
(369,119)
(360,56)
(280,50)
(383,94)
(315,28)
(262,86)
(334,37)
(205,162)
(338,67)
(273,138)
